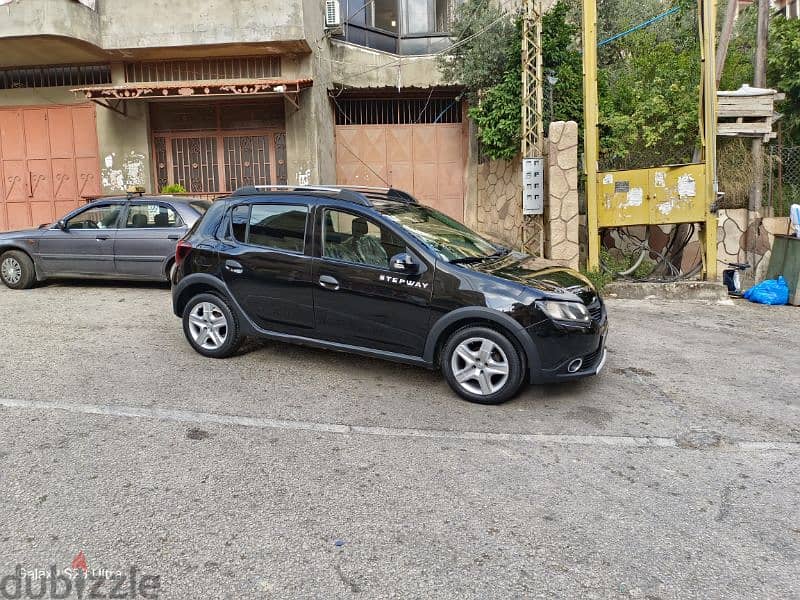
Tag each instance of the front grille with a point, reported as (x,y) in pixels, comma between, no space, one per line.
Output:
(596,310)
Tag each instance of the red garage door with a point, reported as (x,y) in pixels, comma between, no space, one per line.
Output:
(416,144)
(48,160)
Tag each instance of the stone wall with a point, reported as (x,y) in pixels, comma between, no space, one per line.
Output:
(499,202)
(561,206)
(498,197)
(744,236)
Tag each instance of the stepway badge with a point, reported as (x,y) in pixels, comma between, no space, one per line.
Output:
(401,281)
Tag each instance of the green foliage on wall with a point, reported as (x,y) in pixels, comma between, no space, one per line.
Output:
(173,188)
(489,67)
(648,80)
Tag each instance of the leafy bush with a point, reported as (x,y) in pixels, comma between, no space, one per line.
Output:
(489,67)
(783,71)
(174,188)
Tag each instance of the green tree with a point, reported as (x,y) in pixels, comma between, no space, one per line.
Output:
(486,60)
(649,86)
(783,71)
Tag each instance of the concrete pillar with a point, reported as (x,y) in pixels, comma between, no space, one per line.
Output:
(561,204)
(310,144)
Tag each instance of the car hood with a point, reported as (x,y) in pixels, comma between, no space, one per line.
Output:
(546,276)
(22,234)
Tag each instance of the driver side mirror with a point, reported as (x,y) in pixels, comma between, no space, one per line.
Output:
(404,263)
(61,224)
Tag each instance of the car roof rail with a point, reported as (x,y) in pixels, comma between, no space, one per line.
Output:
(337,192)
(358,194)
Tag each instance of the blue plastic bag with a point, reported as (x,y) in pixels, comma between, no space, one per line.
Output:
(769,291)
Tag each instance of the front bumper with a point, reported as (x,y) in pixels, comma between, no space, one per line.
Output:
(560,347)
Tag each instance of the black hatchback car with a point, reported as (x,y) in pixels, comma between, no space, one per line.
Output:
(370,271)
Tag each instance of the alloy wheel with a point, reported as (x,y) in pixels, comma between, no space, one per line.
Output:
(480,366)
(208,325)
(11,271)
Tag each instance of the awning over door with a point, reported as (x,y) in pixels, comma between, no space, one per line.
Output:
(288,88)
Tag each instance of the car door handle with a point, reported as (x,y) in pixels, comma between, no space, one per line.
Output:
(328,282)
(233,266)
(100,237)
(173,237)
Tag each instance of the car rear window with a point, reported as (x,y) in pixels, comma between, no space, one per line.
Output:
(279,226)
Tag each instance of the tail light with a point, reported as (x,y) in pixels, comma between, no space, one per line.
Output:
(182,251)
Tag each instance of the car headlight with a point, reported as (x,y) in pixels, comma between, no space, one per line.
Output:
(565,311)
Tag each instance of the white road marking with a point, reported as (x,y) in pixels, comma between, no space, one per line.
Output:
(185,416)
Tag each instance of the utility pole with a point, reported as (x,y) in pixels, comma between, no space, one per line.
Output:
(759,81)
(532,128)
(590,120)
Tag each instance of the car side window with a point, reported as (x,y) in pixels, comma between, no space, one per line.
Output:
(240,219)
(148,216)
(279,226)
(96,217)
(358,240)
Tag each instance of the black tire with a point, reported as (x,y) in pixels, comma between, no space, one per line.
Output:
(16,270)
(498,388)
(232,333)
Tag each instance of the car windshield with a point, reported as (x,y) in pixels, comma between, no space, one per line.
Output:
(200,206)
(447,237)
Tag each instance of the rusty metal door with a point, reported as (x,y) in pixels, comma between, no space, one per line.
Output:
(48,161)
(220,161)
(425,159)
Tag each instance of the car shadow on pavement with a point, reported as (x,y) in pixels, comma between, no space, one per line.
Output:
(103,284)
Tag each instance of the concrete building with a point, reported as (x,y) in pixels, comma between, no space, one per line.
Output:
(97,95)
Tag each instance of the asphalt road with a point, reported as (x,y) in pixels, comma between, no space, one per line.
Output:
(292,472)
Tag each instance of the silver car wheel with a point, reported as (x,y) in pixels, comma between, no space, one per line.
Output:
(11,271)
(480,366)
(208,325)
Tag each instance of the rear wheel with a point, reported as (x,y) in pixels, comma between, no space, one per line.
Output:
(211,327)
(482,365)
(17,270)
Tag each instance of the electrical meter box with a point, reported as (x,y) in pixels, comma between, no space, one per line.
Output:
(532,186)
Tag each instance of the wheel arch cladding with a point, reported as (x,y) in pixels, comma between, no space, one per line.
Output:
(195,286)
(478,316)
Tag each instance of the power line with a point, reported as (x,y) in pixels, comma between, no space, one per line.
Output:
(647,23)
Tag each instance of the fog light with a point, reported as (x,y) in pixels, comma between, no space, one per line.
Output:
(575,365)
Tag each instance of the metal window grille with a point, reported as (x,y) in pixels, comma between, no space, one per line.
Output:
(254,67)
(397,111)
(55,76)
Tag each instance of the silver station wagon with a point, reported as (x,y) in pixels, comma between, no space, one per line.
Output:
(126,238)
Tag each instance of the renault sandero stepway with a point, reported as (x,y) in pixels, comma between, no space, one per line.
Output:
(372,272)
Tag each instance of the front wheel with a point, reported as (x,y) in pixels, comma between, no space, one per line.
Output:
(17,270)
(211,327)
(482,365)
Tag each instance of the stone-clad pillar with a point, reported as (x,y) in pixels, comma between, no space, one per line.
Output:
(561,205)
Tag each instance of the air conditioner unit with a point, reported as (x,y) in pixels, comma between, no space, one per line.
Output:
(333,13)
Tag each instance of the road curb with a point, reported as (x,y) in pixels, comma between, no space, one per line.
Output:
(708,291)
